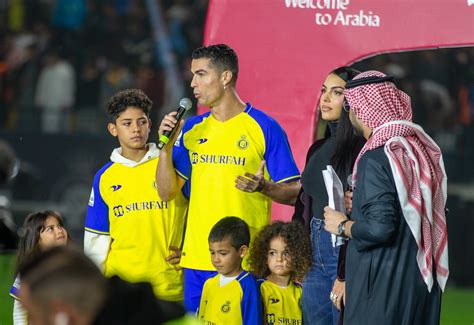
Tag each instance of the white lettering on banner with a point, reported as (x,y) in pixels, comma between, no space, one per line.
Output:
(323,19)
(361,19)
(325,14)
(317,4)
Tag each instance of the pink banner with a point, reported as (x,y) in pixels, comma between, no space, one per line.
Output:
(287,47)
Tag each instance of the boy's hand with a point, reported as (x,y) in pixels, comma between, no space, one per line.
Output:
(167,124)
(175,257)
(252,182)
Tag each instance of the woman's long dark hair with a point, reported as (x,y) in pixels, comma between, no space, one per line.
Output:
(346,140)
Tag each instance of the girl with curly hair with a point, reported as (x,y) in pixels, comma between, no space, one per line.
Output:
(281,256)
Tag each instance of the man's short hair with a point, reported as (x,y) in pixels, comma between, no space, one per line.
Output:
(232,228)
(124,99)
(67,275)
(221,56)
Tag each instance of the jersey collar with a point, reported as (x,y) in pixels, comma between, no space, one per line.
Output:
(117,157)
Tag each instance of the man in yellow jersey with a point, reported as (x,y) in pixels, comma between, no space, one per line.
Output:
(129,230)
(237,158)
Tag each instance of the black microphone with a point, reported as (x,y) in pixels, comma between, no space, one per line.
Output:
(184,105)
(349,182)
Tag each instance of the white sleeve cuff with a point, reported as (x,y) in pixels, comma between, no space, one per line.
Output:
(96,247)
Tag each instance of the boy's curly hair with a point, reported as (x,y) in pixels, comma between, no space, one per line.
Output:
(298,244)
(128,98)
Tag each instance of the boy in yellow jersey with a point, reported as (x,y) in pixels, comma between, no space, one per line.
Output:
(129,230)
(220,151)
(232,296)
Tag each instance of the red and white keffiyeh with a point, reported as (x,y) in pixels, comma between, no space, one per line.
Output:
(417,166)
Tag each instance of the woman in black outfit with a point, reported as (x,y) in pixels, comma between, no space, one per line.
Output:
(339,148)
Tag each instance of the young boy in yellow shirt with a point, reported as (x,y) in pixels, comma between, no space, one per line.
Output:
(129,230)
(232,296)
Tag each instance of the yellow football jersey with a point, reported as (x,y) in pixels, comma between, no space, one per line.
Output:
(281,305)
(125,204)
(212,154)
(237,302)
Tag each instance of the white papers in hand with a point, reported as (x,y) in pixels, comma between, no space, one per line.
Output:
(336,197)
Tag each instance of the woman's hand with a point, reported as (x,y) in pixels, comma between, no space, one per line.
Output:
(338,294)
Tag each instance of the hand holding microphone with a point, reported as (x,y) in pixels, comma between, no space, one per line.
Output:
(171,122)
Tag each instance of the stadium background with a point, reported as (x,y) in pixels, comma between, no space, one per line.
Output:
(116,44)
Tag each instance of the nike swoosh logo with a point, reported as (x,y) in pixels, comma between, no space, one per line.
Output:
(116,187)
(274,301)
(202,140)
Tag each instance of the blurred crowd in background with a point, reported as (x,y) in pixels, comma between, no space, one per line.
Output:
(61,60)
(441,85)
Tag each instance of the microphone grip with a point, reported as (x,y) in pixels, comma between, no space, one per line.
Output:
(165,137)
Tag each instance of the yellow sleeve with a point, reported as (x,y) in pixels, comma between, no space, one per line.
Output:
(177,226)
(203,303)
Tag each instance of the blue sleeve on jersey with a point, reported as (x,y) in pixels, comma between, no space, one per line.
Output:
(279,159)
(181,161)
(251,304)
(14,293)
(14,290)
(186,190)
(97,219)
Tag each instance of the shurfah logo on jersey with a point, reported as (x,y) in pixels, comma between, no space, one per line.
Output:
(242,143)
(270,319)
(216,159)
(120,210)
(195,158)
